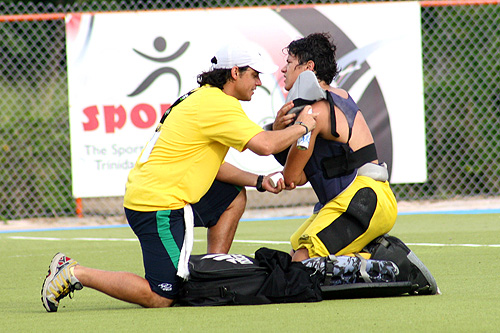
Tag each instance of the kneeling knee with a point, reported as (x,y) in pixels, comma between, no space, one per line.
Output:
(157,301)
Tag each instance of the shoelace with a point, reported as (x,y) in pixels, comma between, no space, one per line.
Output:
(67,291)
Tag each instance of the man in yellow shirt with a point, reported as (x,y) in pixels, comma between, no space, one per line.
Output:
(181,180)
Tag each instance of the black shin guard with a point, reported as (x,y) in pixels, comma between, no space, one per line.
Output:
(352,223)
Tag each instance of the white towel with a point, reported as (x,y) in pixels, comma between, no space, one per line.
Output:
(149,147)
(187,246)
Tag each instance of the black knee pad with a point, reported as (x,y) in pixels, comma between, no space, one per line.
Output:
(352,223)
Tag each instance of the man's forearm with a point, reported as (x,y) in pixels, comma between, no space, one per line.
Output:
(228,173)
(271,142)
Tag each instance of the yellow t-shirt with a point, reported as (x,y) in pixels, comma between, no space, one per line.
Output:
(192,145)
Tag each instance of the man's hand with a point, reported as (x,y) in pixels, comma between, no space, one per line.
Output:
(308,117)
(280,186)
(282,118)
(271,142)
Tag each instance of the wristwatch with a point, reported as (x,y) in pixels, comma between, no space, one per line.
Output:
(259,184)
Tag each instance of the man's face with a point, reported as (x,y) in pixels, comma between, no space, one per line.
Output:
(246,83)
(291,70)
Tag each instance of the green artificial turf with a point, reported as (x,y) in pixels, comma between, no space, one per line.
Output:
(453,247)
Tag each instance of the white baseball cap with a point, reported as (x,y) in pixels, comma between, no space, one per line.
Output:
(242,55)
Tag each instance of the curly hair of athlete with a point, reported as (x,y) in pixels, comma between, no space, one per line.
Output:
(319,48)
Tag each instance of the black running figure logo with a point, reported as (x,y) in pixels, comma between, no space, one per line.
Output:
(160,45)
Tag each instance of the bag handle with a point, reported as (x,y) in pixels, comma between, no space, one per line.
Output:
(151,143)
(180,99)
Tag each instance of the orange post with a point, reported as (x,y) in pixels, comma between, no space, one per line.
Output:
(79,207)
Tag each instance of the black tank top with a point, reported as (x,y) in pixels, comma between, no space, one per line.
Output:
(328,188)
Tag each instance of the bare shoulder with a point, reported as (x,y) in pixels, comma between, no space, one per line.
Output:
(321,106)
(340,92)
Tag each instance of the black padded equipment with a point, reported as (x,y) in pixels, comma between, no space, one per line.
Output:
(352,223)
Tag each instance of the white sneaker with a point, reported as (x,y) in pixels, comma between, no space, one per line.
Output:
(60,282)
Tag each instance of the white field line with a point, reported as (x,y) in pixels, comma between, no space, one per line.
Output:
(88,239)
(459,245)
(93,239)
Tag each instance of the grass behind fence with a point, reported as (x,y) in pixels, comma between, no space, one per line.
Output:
(466,274)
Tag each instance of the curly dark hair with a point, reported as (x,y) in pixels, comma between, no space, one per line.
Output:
(318,47)
(217,77)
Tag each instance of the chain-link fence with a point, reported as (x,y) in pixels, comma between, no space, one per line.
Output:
(461,60)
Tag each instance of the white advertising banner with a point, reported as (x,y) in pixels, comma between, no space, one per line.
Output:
(125,69)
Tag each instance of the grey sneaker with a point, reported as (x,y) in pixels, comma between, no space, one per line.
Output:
(60,282)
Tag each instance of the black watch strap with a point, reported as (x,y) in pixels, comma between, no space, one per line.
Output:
(259,184)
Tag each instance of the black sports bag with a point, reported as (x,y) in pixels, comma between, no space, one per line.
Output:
(223,279)
(411,268)
(233,279)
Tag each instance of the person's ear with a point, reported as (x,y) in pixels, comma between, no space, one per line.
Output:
(234,72)
(310,65)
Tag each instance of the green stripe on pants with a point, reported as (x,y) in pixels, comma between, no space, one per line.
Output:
(163,225)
